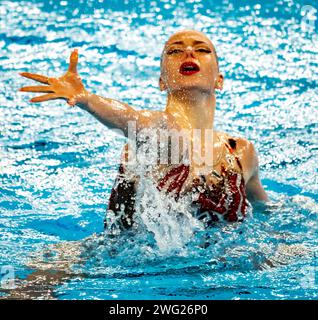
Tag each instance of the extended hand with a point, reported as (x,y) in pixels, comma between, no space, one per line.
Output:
(68,87)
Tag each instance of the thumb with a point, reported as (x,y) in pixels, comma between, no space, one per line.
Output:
(73,61)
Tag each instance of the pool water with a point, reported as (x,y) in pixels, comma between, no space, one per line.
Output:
(58,164)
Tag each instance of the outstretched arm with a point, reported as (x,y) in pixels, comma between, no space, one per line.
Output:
(112,113)
(116,114)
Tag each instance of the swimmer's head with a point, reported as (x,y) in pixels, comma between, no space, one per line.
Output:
(188,61)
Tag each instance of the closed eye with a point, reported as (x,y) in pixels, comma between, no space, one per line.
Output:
(204,50)
(174,51)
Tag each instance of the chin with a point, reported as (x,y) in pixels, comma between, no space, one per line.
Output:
(190,86)
(193,81)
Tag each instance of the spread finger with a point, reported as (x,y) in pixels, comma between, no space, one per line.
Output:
(45,97)
(36,77)
(36,89)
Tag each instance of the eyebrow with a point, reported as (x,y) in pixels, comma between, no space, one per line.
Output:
(195,42)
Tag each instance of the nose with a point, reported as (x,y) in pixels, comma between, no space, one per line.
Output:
(189,52)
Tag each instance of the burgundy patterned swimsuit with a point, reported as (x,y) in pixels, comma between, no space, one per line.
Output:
(226,200)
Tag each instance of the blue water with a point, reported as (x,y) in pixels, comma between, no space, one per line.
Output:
(57,164)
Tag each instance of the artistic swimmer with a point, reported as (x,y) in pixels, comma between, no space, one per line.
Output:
(223,186)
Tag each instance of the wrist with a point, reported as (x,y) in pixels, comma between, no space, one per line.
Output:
(83,100)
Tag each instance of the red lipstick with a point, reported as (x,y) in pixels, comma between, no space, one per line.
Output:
(188,68)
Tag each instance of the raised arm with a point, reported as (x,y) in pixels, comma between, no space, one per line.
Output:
(112,113)
(116,114)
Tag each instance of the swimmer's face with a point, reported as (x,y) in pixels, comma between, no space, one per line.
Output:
(189,61)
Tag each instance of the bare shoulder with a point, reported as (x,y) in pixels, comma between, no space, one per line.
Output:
(238,143)
(245,146)
(246,152)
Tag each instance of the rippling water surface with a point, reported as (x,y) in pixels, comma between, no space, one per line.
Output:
(57,164)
